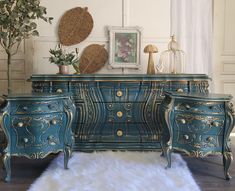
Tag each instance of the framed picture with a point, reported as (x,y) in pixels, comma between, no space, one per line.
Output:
(124,47)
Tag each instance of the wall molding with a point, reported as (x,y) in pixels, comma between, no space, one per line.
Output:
(226,52)
(229,72)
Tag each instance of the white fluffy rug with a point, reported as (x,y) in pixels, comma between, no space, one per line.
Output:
(116,171)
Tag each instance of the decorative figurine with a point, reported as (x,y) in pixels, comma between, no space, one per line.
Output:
(150,49)
(173,59)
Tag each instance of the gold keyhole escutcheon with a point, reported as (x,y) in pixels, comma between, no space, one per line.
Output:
(119,133)
(119,93)
(119,114)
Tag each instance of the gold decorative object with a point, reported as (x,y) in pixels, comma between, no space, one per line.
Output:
(93,58)
(119,93)
(119,114)
(75,26)
(59,91)
(150,49)
(173,59)
(119,133)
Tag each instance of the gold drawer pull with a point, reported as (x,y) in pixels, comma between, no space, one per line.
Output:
(20,124)
(187,106)
(180,90)
(209,139)
(186,137)
(59,91)
(119,133)
(119,114)
(53,122)
(183,121)
(26,140)
(215,123)
(119,93)
(25,108)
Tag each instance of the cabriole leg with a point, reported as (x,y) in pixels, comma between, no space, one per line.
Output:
(7,165)
(168,156)
(227,160)
(67,155)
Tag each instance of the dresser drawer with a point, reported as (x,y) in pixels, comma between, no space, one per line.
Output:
(193,142)
(116,132)
(60,87)
(176,86)
(120,91)
(38,131)
(125,112)
(200,107)
(203,124)
(36,107)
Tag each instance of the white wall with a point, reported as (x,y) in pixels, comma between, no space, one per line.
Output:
(224,46)
(152,15)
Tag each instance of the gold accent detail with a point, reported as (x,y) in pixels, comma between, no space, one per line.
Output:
(119,133)
(215,123)
(119,93)
(186,137)
(209,139)
(26,140)
(180,90)
(187,106)
(183,121)
(20,124)
(59,91)
(119,114)
(53,122)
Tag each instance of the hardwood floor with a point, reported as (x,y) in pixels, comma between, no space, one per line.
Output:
(208,173)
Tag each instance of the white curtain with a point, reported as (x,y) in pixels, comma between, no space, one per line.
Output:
(191,22)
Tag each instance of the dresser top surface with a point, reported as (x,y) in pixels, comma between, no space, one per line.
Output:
(35,96)
(200,96)
(117,77)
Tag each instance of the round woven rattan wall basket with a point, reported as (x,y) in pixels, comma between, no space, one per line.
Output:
(75,26)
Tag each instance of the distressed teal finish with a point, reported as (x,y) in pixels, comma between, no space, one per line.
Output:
(118,111)
(197,124)
(36,125)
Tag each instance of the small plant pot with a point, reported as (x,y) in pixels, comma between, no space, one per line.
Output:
(63,69)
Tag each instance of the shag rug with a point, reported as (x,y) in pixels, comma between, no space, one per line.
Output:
(116,171)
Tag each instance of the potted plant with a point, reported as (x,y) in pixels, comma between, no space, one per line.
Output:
(17,22)
(63,59)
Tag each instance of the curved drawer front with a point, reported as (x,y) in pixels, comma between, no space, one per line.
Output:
(200,107)
(36,107)
(198,145)
(117,132)
(130,112)
(178,86)
(119,92)
(60,87)
(37,131)
(202,124)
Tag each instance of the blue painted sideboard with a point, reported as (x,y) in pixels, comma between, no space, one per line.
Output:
(197,124)
(36,125)
(118,112)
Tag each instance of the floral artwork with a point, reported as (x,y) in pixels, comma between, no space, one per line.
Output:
(126,47)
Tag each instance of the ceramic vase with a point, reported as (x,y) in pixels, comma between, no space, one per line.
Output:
(63,69)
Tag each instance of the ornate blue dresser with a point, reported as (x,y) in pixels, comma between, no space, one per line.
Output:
(197,124)
(118,112)
(36,125)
